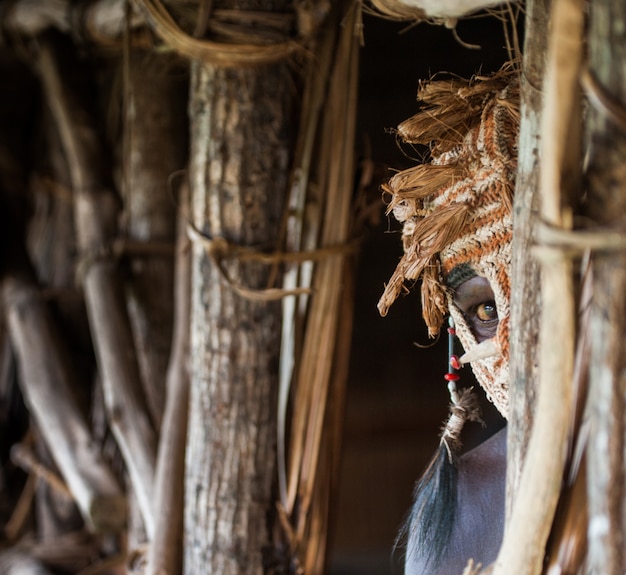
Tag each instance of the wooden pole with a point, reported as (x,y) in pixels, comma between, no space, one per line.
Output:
(528,527)
(20,563)
(166,551)
(606,209)
(96,211)
(241,142)
(45,377)
(526,293)
(154,147)
(49,380)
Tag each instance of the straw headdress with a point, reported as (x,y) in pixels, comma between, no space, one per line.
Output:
(456,211)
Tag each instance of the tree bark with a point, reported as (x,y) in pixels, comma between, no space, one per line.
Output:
(532,512)
(526,300)
(240,155)
(607,210)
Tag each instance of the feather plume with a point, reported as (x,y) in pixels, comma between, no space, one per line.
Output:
(433,514)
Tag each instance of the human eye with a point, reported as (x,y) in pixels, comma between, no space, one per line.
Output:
(486,311)
(482,319)
(476,301)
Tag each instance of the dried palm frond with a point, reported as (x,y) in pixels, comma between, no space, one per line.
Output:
(322,325)
(236,54)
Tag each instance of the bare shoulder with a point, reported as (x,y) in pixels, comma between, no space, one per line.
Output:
(481,500)
(486,459)
(479,514)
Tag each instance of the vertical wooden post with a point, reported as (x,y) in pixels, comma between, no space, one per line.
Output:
(607,209)
(240,146)
(528,527)
(526,300)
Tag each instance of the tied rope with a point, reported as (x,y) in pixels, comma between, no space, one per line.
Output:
(209,51)
(220,250)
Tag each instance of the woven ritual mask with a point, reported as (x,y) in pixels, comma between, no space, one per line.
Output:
(456,211)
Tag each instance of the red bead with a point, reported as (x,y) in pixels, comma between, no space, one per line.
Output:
(454,362)
(451,331)
(452,377)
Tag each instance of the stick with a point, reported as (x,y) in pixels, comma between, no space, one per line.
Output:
(523,548)
(17,563)
(44,379)
(96,223)
(165,552)
(103,19)
(23,457)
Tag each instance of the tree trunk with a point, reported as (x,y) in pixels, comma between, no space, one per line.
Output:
(526,300)
(240,157)
(607,210)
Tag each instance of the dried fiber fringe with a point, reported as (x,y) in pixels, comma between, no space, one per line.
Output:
(419,182)
(451,108)
(430,235)
(457,106)
(429,525)
(434,300)
(423,239)
(432,516)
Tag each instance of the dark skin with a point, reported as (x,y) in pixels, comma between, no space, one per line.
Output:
(475,299)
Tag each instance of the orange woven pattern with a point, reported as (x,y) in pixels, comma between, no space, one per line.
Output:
(458,209)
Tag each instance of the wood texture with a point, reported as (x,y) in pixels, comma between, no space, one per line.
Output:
(154,148)
(526,294)
(166,551)
(46,376)
(20,563)
(606,210)
(240,156)
(96,212)
(528,527)
(102,19)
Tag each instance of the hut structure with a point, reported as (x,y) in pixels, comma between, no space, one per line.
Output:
(187,207)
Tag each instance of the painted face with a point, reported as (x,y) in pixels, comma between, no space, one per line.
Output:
(476,301)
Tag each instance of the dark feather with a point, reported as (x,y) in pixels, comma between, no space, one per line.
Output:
(432,515)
